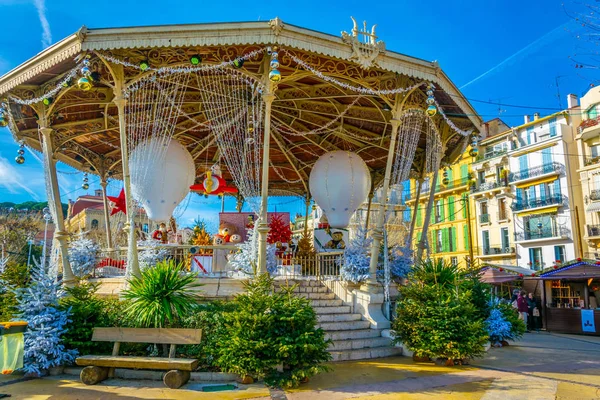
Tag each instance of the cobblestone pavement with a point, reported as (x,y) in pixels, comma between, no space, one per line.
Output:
(541,366)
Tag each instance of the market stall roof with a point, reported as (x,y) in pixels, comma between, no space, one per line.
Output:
(573,270)
(317,94)
(493,275)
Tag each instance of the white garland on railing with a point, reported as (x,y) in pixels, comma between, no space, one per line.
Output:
(70,75)
(449,121)
(183,69)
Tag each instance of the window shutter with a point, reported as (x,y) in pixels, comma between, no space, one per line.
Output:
(445,245)
(432,216)
(531,258)
(432,241)
(543,191)
(419,216)
(465,204)
(557,187)
(547,156)
(442,210)
(552,124)
(451,208)
(453,238)
(466,236)
(556,252)
(464,171)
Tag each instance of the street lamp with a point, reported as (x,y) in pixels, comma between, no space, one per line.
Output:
(30,242)
(47,218)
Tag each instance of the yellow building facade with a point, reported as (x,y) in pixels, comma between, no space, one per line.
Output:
(450,233)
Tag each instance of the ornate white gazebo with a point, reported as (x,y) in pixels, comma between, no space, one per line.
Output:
(343,92)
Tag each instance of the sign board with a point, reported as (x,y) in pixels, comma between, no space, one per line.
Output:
(330,239)
(587,321)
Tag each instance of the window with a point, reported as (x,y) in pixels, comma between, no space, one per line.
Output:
(439,211)
(439,240)
(481,177)
(552,126)
(559,253)
(451,208)
(523,166)
(535,258)
(592,113)
(500,174)
(504,238)
(486,241)
(452,241)
(454,261)
(483,208)
(547,156)
(502,209)
(145,227)
(530,135)
(94,224)
(595,151)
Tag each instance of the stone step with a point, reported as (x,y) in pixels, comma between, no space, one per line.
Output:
(354,344)
(317,296)
(353,334)
(306,289)
(332,310)
(366,353)
(327,303)
(344,326)
(338,317)
(299,282)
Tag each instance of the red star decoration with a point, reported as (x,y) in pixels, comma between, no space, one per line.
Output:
(119,203)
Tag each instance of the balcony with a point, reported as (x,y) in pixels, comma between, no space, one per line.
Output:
(485,186)
(591,161)
(593,230)
(484,218)
(489,155)
(492,251)
(595,194)
(440,187)
(588,123)
(555,200)
(544,233)
(536,171)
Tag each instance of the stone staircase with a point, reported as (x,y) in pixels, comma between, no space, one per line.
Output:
(352,337)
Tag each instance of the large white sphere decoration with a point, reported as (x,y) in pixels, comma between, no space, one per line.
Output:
(339,183)
(161,179)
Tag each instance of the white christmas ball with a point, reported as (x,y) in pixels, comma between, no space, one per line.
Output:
(161,179)
(339,183)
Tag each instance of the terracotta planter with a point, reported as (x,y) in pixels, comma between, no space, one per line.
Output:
(446,362)
(246,380)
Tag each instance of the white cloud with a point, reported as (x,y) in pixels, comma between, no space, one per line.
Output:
(40,6)
(12,179)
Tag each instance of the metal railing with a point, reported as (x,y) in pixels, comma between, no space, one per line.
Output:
(593,230)
(544,233)
(591,160)
(588,123)
(211,261)
(595,194)
(536,171)
(498,250)
(484,218)
(536,203)
(489,155)
(482,187)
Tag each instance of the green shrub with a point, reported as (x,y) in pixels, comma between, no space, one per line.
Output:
(87,312)
(436,316)
(265,330)
(161,297)
(14,276)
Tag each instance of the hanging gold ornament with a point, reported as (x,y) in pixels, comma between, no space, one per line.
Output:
(431,110)
(3,121)
(19,159)
(84,84)
(275,76)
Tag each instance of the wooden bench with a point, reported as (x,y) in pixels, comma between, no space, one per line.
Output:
(98,368)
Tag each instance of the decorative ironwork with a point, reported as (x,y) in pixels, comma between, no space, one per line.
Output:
(498,250)
(536,171)
(536,203)
(593,230)
(544,233)
(364,51)
(588,123)
(489,155)
(488,186)
(591,160)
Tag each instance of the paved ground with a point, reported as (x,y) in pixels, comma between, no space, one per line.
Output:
(542,366)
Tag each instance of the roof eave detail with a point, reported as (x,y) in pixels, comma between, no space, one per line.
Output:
(46,59)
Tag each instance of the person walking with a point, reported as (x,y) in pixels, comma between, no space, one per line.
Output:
(531,305)
(523,308)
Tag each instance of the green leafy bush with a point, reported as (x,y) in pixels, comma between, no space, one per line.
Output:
(265,330)
(511,315)
(161,297)
(14,276)
(436,317)
(89,311)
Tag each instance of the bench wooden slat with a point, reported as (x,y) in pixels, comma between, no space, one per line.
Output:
(148,335)
(160,363)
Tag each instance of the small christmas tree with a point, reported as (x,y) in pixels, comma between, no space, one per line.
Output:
(83,256)
(279,231)
(305,246)
(354,264)
(151,253)
(498,327)
(38,305)
(201,236)
(246,259)
(401,261)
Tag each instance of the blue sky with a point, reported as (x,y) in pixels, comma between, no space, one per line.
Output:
(511,52)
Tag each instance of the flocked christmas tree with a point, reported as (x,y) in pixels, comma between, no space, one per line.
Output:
(401,261)
(498,327)
(279,231)
(83,255)
(38,305)
(246,259)
(150,253)
(354,264)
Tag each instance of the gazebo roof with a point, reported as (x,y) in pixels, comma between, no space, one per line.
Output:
(86,125)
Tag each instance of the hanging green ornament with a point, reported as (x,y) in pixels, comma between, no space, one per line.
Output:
(431,110)
(238,63)
(195,59)
(19,159)
(67,83)
(144,65)
(95,77)
(445,174)
(275,76)
(474,152)
(85,186)
(47,101)
(445,181)
(3,121)
(84,84)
